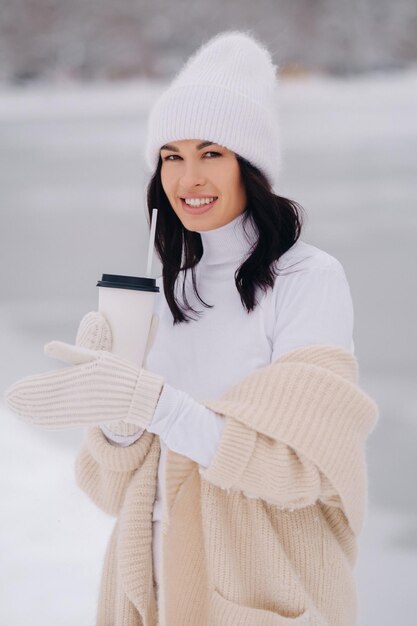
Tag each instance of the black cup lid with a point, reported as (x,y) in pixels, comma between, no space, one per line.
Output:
(138,283)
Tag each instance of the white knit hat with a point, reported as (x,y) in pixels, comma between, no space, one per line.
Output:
(226,93)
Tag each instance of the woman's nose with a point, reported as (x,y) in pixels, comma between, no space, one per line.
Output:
(191,175)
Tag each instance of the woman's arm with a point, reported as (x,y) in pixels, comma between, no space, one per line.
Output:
(274,472)
(313,308)
(235,448)
(292,422)
(308,307)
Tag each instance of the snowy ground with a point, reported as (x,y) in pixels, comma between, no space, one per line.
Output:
(72,179)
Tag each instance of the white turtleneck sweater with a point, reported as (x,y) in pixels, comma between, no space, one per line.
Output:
(309,304)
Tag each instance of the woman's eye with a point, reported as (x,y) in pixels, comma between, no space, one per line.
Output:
(168,158)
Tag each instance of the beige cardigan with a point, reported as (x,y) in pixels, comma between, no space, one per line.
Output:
(295,437)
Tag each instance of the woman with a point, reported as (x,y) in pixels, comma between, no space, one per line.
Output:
(234,460)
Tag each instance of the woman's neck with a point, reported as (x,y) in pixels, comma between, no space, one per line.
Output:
(230,242)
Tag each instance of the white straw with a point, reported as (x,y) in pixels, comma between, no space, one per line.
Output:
(151,242)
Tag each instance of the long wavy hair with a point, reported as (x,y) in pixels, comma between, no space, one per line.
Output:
(278,221)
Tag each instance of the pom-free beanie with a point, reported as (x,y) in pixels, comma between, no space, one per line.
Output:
(227,93)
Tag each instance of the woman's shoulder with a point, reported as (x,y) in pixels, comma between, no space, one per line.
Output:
(310,302)
(305,257)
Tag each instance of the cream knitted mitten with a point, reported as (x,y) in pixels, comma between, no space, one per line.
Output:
(100,388)
(94,332)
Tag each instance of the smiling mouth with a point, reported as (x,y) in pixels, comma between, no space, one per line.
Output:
(198,209)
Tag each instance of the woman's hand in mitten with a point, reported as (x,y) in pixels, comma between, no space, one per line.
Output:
(99,388)
(94,332)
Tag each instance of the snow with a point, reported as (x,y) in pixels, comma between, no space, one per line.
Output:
(70,100)
(52,538)
(72,179)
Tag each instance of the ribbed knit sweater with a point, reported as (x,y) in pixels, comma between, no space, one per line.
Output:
(310,304)
(295,436)
(258,553)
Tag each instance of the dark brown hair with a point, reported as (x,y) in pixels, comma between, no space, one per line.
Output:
(277,220)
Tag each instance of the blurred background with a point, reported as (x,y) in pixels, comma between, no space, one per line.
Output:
(77,80)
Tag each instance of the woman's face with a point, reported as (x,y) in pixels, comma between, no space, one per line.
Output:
(193,169)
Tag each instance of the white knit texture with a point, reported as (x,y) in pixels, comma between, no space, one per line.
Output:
(227,92)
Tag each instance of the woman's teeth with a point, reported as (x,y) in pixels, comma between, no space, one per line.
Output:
(195,202)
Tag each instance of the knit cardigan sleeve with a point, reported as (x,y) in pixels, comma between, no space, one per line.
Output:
(295,433)
(103,471)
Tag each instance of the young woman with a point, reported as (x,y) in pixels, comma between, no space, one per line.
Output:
(234,460)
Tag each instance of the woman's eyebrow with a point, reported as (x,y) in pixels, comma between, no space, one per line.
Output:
(199,146)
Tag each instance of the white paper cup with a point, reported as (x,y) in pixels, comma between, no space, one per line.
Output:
(127,302)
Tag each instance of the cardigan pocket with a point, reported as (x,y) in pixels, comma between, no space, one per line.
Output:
(227,613)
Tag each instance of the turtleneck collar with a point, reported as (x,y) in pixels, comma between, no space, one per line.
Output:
(230,242)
